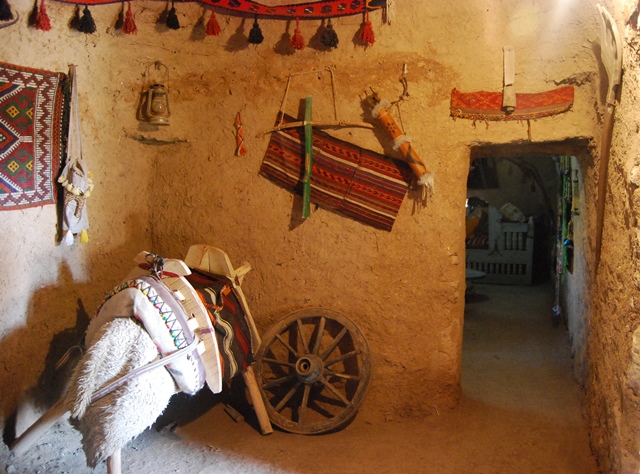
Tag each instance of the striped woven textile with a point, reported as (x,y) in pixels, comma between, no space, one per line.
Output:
(358,183)
(235,343)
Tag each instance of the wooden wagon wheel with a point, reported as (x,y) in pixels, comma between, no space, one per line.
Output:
(313,368)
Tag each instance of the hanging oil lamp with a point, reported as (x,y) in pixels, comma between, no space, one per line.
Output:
(158,110)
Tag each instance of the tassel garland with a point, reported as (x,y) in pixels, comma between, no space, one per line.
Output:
(255,35)
(367,35)
(213,27)
(329,36)
(297,41)
(87,24)
(42,23)
(5,11)
(129,27)
(172,18)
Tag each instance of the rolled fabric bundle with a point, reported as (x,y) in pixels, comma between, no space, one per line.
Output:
(403,143)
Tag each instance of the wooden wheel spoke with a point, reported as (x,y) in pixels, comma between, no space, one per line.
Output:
(334,344)
(335,391)
(305,346)
(305,403)
(279,362)
(286,344)
(329,373)
(287,397)
(277,382)
(316,347)
(343,357)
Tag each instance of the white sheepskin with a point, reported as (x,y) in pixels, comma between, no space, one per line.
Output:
(108,424)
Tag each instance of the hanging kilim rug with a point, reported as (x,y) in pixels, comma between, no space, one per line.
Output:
(319,9)
(346,178)
(31,109)
(485,106)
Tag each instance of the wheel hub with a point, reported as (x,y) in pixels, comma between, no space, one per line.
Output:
(309,368)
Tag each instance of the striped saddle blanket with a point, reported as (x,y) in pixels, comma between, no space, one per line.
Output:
(358,183)
(235,344)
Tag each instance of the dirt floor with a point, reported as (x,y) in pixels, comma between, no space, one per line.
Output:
(520,413)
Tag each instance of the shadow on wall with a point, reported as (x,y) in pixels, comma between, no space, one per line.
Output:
(64,346)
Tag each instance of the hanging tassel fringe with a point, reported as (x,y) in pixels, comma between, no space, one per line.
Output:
(172,18)
(329,36)
(129,27)
(68,238)
(87,24)
(5,11)
(213,27)
(255,35)
(367,35)
(42,23)
(297,41)
(84,236)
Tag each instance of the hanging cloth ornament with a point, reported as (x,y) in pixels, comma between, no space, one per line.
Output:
(75,177)
(297,41)
(42,22)
(172,18)
(5,11)
(367,35)
(213,27)
(329,36)
(129,26)
(87,24)
(241,149)
(255,35)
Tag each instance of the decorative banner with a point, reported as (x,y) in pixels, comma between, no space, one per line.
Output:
(31,109)
(321,9)
(482,105)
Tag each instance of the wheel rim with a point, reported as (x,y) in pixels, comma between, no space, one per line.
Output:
(313,368)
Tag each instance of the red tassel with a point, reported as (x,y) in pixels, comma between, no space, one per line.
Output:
(129,27)
(213,27)
(367,35)
(42,22)
(297,41)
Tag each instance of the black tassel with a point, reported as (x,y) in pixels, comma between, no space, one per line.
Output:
(87,24)
(329,36)
(172,19)
(255,35)
(5,11)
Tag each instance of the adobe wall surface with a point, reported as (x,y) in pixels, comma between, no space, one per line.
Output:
(163,190)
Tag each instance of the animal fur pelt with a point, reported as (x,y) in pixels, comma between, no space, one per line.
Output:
(109,423)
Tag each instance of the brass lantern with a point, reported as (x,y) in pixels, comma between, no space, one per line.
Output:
(158,110)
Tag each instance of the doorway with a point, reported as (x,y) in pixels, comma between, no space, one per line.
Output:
(522,324)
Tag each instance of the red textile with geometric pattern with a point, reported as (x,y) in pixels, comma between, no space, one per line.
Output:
(31,110)
(482,105)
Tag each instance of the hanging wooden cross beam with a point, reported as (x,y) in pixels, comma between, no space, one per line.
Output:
(308,133)
(328,124)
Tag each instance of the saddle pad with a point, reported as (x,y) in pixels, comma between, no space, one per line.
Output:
(346,178)
(152,304)
(235,344)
